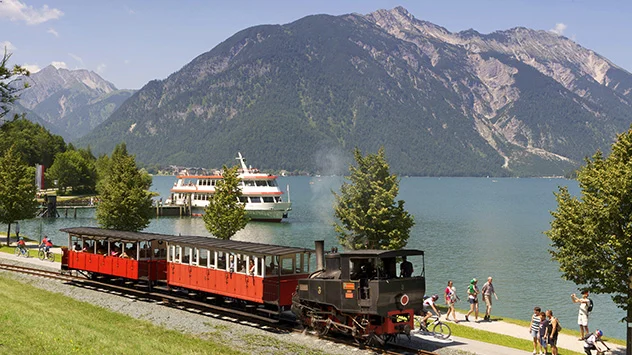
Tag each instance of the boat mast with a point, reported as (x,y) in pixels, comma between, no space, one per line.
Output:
(242,161)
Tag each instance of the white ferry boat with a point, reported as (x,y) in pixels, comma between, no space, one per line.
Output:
(260,193)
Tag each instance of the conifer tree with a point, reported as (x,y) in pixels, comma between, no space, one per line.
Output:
(17,189)
(8,88)
(125,203)
(592,234)
(369,216)
(224,216)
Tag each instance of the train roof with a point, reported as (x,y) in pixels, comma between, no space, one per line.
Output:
(192,240)
(377,253)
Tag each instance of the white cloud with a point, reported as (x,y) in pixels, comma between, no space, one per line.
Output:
(32,68)
(126,61)
(77,58)
(559,29)
(8,46)
(101,68)
(130,11)
(53,32)
(59,65)
(15,10)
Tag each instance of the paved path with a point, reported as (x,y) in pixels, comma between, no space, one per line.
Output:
(564,341)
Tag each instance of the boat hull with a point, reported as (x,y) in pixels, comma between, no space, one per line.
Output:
(264,215)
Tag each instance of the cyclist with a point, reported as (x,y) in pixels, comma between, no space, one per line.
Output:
(22,245)
(428,307)
(46,244)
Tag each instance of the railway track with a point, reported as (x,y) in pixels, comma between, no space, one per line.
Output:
(187,303)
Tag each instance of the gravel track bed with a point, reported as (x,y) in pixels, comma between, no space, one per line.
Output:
(248,339)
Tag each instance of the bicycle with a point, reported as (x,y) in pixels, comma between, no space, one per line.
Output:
(440,330)
(42,254)
(21,252)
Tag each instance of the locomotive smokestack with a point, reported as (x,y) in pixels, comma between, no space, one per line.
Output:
(320,254)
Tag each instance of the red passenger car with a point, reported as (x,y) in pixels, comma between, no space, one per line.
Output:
(106,252)
(257,273)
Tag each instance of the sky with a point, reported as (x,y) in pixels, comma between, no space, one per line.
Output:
(130,43)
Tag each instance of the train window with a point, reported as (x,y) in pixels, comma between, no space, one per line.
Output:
(187,255)
(212,262)
(271,265)
(287,265)
(203,257)
(360,268)
(172,253)
(221,260)
(268,199)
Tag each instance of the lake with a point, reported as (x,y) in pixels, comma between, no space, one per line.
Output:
(468,227)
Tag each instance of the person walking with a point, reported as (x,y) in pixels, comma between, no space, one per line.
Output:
(543,333)
(450,299)
(488,291)
(535,328)
(582,316)
(554,326)
(472,298)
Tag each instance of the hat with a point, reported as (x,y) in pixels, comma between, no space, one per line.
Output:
(473,280)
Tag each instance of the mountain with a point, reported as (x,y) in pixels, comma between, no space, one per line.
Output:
(72,101)
(300,96)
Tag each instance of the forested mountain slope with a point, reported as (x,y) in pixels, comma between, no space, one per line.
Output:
(300,96)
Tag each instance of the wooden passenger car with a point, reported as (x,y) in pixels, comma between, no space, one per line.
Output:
(253,272)
(261,274)
(131,255)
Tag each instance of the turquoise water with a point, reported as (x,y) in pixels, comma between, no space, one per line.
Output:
(468,227)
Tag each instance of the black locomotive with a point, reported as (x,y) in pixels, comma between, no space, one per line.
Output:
(359,293)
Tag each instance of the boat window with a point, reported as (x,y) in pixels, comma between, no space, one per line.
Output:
(255,199)
(272,183)
(269,199)
(249,183)
(213,182)
(261,183)
(279,199)
(287,264)
(243,199)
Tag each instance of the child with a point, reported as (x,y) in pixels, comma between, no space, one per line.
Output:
(544,333)
(535,328)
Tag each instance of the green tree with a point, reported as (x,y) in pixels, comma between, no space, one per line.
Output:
(592,234)
(36,144)
(8,87)
(75,169)
(369,216)
(125,203)
(17,189)
(224,215)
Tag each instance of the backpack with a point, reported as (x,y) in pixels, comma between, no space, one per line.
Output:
(590,305)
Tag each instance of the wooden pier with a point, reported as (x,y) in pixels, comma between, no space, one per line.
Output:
(158,211)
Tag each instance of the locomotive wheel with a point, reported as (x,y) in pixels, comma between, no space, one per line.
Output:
(321,328)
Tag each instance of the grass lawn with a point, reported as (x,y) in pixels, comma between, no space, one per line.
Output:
(35,321)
